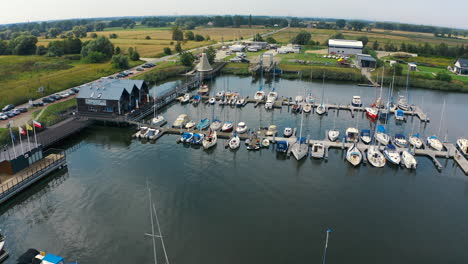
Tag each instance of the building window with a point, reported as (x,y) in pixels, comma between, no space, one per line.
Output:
(109,109)
(92,109)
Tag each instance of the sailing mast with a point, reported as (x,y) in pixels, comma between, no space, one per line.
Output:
(441,117)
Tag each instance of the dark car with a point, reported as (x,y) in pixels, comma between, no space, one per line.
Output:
(121,75)
(9,114)
(140,69)
(75,89)
(56,97)
(37,104)
(151,64)
(22,109)
(8,108)
(48,100)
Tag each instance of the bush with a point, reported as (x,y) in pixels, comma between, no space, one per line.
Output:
(113,36)
(167,51)
(178,47)
(302,38)
(443,76)
(100,44)
(147,37)
(271,40)
(41,50)
(187,58)
(95,57)
(199,37)
(93,35)
(120,61)
(398,69)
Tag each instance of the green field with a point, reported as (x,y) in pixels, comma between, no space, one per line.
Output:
(21,76)
(51,114)
(311,57)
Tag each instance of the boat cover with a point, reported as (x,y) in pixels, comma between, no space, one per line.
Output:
(400,113)
(29,257)
(281,145)
(365,132)
(391,147)
(433,137)
(416,135)
(399,136)
(381,128)
(52,259)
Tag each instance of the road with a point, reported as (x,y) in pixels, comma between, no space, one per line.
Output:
(28,116)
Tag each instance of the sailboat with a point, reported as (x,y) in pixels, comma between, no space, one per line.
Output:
(402,102)
(216,125)
(366,137)
(356,101)
(354,155)
(380,135)
(462,145)
(227,127)
(333,134)
(415,140)
(433,141)
(310,99)
(159,119)
(400,141)
(259,95)
(321,109)
(212,100)
(375,157)
(352,135)
(203,90)
(408,160)
(210,140)
(300,147)
(391,154)
(204,124)
(307,108)
(234,142)
(190,124)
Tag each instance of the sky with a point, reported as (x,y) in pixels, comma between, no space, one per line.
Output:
(429,12)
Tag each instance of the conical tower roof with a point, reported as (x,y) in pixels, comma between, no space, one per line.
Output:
(204,65)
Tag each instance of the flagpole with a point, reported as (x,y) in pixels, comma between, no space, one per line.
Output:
(12,141)
(35,137)
(21,141)
(326,246)
(27,135)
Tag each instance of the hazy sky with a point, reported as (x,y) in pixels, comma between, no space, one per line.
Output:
(431,12)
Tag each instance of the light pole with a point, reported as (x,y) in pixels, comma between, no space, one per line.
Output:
(326,246)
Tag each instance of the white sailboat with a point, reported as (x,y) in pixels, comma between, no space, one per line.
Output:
(333,134)
(462,145)
(433,141)
(259,95)
(241,127)
(391,154)
(381,137)
(210,140)
(234,142)
(300,147)
(408,160)
(354,155)
(287,132)
(415,141)
(375,157)
(307,108)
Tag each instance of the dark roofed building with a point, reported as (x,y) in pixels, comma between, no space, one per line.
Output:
(112,96)
(366,61)
(461,67)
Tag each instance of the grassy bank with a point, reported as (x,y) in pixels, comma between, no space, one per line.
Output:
(53,113)
(317,72)
(21,76)
(163,72)
(236,69)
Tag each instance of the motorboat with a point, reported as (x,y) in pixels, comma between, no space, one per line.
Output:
(203,90)
(462,145)
(196,99)
(352,135)
(415,141)
(296,108)
(141,132)
(259,95)
(216,125)
(375,157)
(380,135)
(310,99)
(212,100)
(272,130)
(272,96)
(190,124)
(366,137)
(307,108)
(384,114)
(435,143)
(234,142)
(356,102)
(408,160)
(269,104)
(287,132)
(180,121)
(372,112)
(240,102)
(333,134)
(354,155)
(227,127)
(318,150)
(203,124)
(400,115)
(185,98)
(197,138)
(391,154)
(241,128)
(210,140)
(158,121)
(299,148)
(282,146)
(321,109)
(220,94)
(186,137)
(152,134)
(400,141)
(229,93)
(265,143)
(403,104)
(299,99)
(37,257)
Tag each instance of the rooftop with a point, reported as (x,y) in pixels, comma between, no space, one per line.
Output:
(365,57)
(463,63)
(108,89)
(346,43)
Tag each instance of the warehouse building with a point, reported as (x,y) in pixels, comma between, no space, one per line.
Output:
(112,96)
(345,46)
(366,61)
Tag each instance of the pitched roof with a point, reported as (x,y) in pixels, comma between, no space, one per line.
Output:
(345,43)
(107,89)
(463,63)
(365,57)
(204,65)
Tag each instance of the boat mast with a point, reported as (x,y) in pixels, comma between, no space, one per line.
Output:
(441,117)
(300,131)
(323,87)
(407,84)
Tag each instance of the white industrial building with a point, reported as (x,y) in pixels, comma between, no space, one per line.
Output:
(345,46)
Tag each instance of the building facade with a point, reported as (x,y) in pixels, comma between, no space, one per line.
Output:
(344,46)
(461,67)
(366,61)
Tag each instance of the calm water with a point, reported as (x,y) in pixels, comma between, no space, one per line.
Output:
(221,206)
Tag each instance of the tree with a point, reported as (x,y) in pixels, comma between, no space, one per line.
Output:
(72,46)
(55,49)
(271,40)
(258,37)
(113,36)
(4,49)
(338,35)
(135,55)
(120,61)
(147,37)
(375,46)
(302,38)
(398,69)
(210,54)
(340,23)
(117,50)
(177,34)
(250,21)
(199,38)
(357,25)
(443,76)
(40,50)
(100,44)
(95,57)
(99,26)
(189,35)
(364,40)
(53,32)
(23,45)
(93,35)
(167,51)
(79,31)
(178,47)
(187,58)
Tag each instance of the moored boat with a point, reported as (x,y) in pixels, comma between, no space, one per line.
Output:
(234,141)
(269,104)
(197,138)
(227,127)
(259,95)
(435,143)
(462,145)
(356,101)
(310,98)
(186,137)
(203,90)
(403,104)
(372,112)
(203,124)
(354,155)
(196,99)
(240,102)
(272,130)
(190,124)
(210,140)
(185,98)
(265,143)
(380,135)
(299,99)
(241,127)
(307,108)
(220,94)
(318,150)
(282,146)
(366,137)
(375,157)
(216,125)
(141,132)
(212,100)
(296,108)
(180,121)
(352,135)
(391,154)
(152,134)
(408,160)
(400,115)
(300,148)
(287,132)
(400,141)
(333,135)
(158,121)
(415,141)
(321,109)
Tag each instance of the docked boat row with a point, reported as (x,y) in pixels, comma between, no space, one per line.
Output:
(147,133)
(38,257)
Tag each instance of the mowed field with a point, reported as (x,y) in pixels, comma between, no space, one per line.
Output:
(162,37)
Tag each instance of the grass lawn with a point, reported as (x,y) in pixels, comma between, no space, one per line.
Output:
(21,76)
(285,58)
(51,114)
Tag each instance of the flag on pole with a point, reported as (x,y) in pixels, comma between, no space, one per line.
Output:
(37,124)
(28,127)
(22,131)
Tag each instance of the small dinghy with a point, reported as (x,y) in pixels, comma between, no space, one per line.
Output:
(415,141)
(185,98)
(196,99)
(408,160)
(186,137)
(212,100)
(352,135)
(307,108)
(356,102)
(241,128)
(354,155)
(152,134)
(210,140)
(391,154)
(204,124)
(259,95)
(272,130)
(400,115)
(366,136)
(318,150)
(265,143)
(400,141)
(216,125)
(240,102)
(435,143)
(227,127)
(220,94)
(287,132)
(333,135)
(375,157)
(234,142)
(190,124)
(296,108)
(197,138)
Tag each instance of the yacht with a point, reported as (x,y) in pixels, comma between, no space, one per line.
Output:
(307,108)
(216,125)
(241,128)
(352,135)
(296,108)
(462,145)
(203,124)
(227,127)
(435,143)
(400,141)
(265,143)
(196,99)
(356,102)
(318,150)
(190,124)
(240,102)
(180,121)
(203,90)
(141,132)
(366,136)
(287,132)
(210,140)
(380,135)
(197,138)
(158,121)
(220,94)
(354,155)
(415,141)
(272,96)
(403,104)
(408,160)
(372,112)
(375,157)
(212,100)
(234,142)
(152,134)
(259,95)
(299,148)
(391,154)
(185,98)
(272,130)
(333,135)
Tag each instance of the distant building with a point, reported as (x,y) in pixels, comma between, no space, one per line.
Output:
(461,67)
(344,46)
(412,67)
(366,61)
(257,44)
(112,96)
(13,159)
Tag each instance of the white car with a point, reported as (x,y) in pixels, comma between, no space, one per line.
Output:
(16,111)
(3,116)
(63,94)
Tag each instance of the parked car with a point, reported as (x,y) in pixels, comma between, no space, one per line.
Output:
(23,109)
(121,75)
(3,116)
(56,97)
(16,111)
(140,69)
(37,103)
(75,89)
(8,108)
(48,100)
(9,114)
(128,72)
